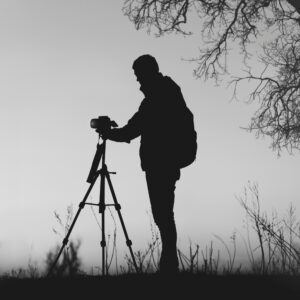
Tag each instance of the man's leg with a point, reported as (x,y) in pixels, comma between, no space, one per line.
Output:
(161,187)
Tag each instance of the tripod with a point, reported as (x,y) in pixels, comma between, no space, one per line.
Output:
(92,178)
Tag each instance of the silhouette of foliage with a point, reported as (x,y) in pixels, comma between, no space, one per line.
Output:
(227,24)
(278,238)
(64,226)
(69,264)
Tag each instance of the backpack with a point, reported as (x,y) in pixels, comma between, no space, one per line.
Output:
(186,149)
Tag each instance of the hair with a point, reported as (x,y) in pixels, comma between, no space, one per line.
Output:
(146,63)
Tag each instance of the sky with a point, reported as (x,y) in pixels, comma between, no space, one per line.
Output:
(65,62)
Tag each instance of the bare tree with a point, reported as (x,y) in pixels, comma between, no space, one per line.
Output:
(274,25)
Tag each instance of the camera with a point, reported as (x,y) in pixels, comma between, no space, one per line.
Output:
(103,124)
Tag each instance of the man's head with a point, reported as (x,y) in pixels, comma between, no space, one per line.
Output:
(145,69)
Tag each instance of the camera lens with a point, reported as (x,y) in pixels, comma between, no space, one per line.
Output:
(94,123)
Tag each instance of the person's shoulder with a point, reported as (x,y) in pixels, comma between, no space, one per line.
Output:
(171,85)
(174,90)
(168,80)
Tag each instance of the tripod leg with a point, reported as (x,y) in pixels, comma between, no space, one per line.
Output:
(102,212)
(118,209)
(66,239)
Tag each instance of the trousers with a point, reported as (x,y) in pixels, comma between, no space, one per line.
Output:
(161,188)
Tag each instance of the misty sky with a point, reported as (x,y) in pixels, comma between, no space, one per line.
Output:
(65,62)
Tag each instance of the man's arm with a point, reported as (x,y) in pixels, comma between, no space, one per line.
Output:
(127,133)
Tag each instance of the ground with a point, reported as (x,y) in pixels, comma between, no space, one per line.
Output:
(181,286)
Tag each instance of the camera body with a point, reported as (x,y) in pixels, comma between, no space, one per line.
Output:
(102,124)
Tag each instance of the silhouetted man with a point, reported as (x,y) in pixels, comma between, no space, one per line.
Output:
(157,122)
